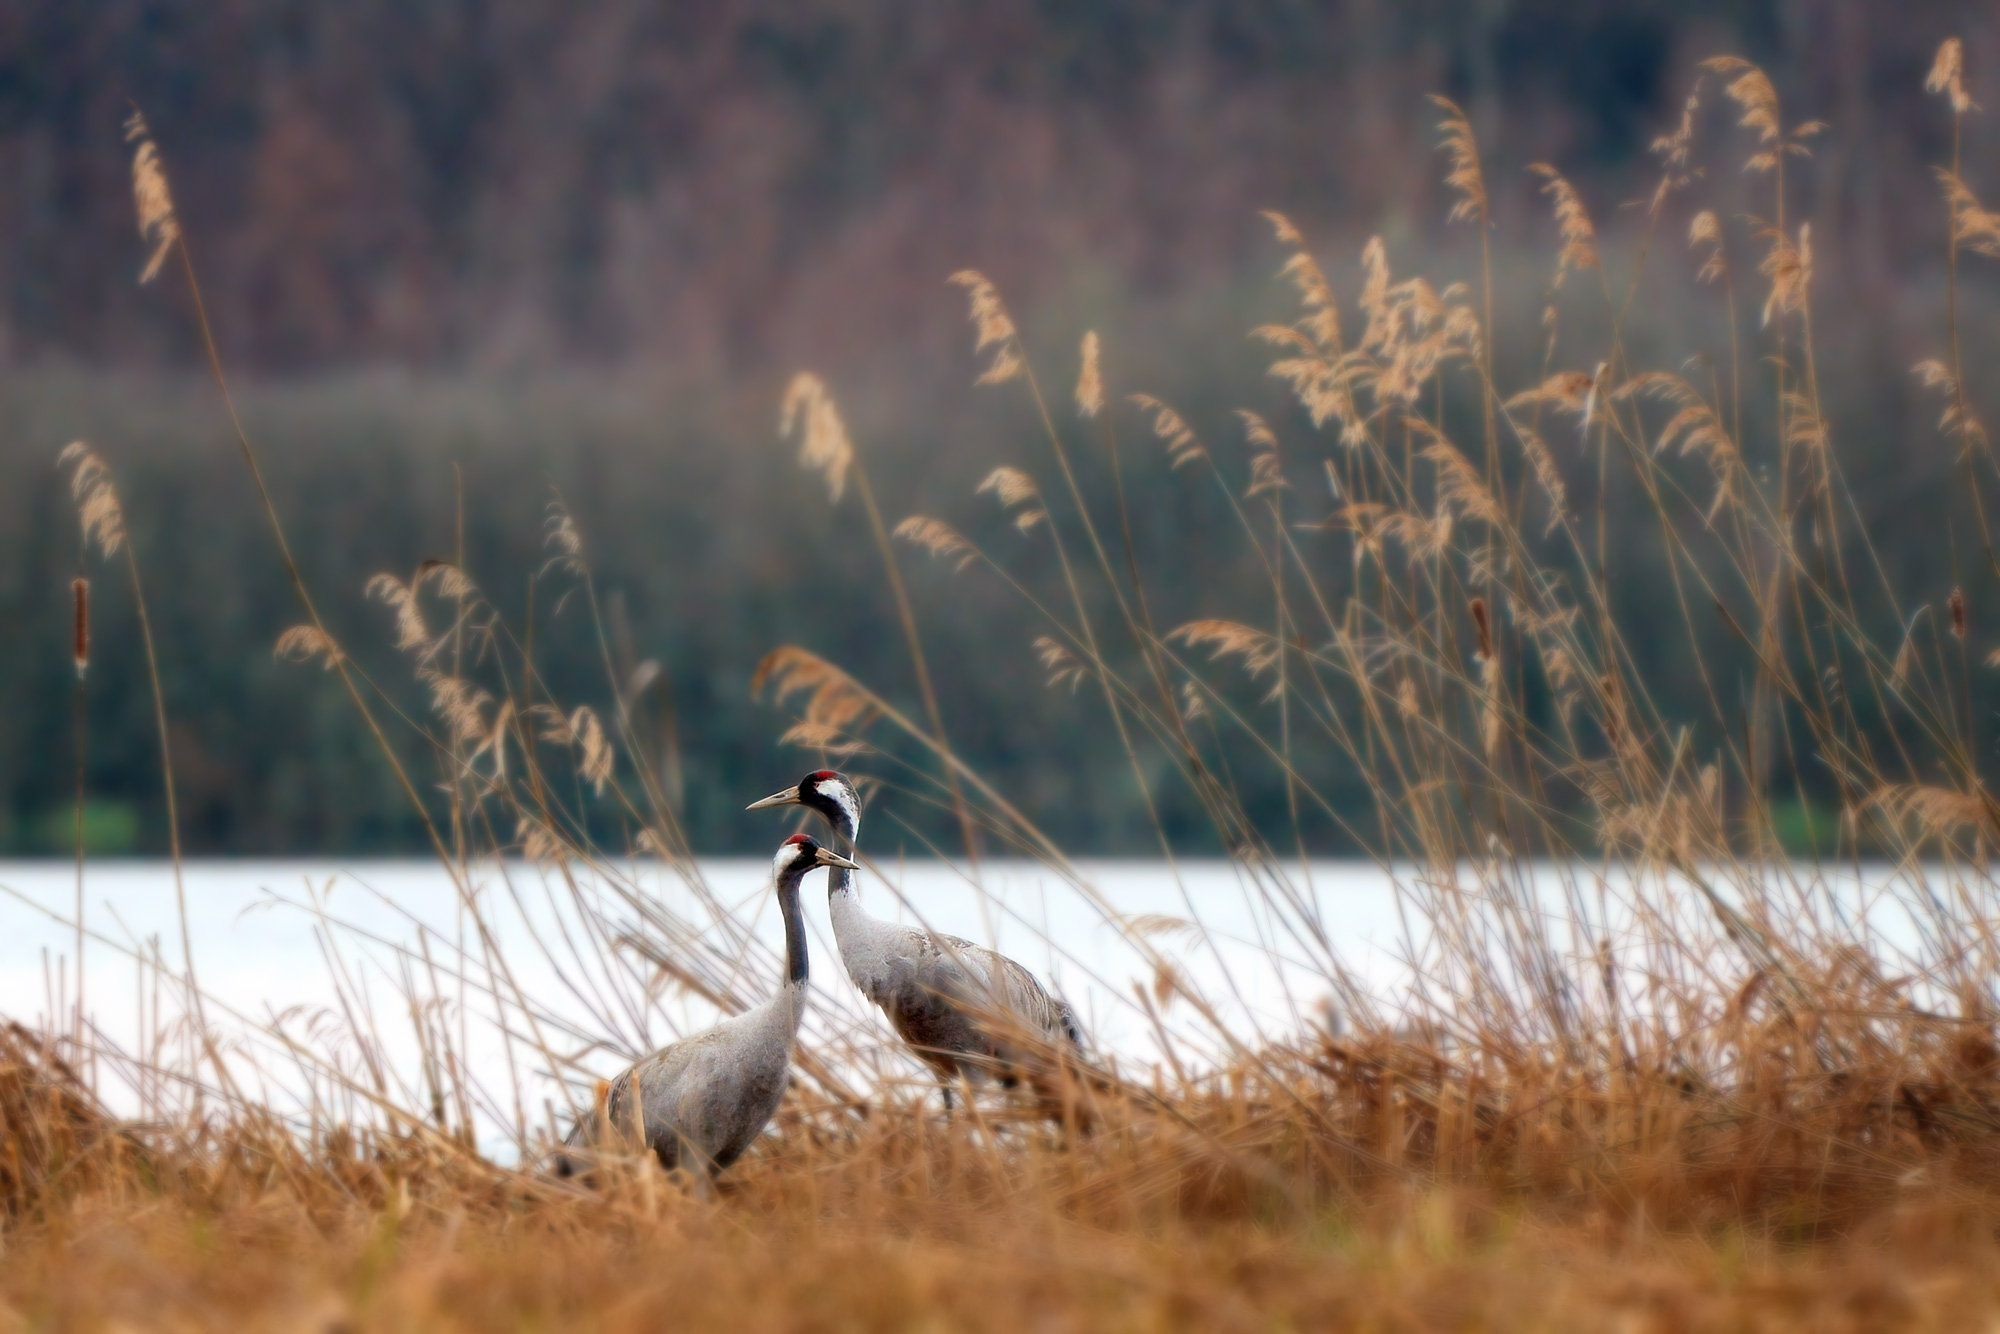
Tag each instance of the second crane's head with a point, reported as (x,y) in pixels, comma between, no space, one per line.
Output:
(799,854)
(828,793)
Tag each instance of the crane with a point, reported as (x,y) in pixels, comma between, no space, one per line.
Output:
(962,1008)
(702,1101)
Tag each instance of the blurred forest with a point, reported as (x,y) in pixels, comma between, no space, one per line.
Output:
(461,253)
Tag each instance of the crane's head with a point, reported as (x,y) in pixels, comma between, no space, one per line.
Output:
(824,791)
(799,854)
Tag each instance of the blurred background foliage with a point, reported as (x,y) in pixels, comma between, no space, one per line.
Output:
(460,254)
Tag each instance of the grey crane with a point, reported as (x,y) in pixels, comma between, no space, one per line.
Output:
(961,1007)
(704,1099)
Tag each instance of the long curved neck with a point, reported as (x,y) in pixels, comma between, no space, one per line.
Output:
(840,880)
(795,928)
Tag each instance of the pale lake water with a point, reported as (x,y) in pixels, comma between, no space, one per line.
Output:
(271,938)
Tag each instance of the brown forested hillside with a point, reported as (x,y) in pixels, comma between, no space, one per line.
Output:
(720,185)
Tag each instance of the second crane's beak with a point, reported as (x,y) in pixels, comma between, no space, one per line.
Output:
(829,858)
(789,797)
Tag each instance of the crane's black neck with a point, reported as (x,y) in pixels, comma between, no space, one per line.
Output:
(795,925)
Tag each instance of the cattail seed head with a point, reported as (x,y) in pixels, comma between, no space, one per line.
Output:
(1479,618)
(79,644)
(1957,605)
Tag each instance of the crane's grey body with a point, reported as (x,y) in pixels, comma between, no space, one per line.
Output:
(962,1007)
(964,1010)
(702,1101)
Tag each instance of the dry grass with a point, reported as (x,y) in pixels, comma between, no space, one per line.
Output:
(1644,1069)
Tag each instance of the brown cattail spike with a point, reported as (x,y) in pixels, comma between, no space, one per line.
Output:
(79,647)
(1479,618)
(1957,605)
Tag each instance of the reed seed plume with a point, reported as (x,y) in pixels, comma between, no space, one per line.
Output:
(1016,491)
(1564,391)
(411,632)
(1750,89)
(1947,76)
(1320,374)
(1172,430)
(1673,151)
(562,539)
(79,633)
(1705,231)
(938,538)
(159,226)
(1789,267)
(993,326)
(1938,812)
(1579,237)
(1461,151)
(597,756)
(461,704)
(305,643)
(1267,473)
(97,508)
(1957,421)
(1089,380)
(1064,667)
(808,410)
(833,700)
(1321,322)
(1257,650)
(1459,484)
(1956,605)
(1973,226)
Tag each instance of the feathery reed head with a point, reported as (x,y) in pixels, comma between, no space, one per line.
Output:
(597,758)
(809,411)
(835,703)
(1456,141)
(1322,318)
(1706,231)
(994,326)
(159,226)
(1947,76)
(411,632)
(1973,226)
(1173,430)
(1231,639)
(1579,237)
(1750,89)
(79,634)
(97,509)
(1064,667)
(939,538)
(1016,491)
(1089,382)
(1789,267)
(303,643)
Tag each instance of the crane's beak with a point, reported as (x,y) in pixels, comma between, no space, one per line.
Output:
(827,858)
(789,797)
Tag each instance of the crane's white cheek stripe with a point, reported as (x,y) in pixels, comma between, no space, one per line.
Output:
(842,796)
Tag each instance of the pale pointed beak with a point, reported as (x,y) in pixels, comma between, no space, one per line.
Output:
(789,797)
(827,858)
